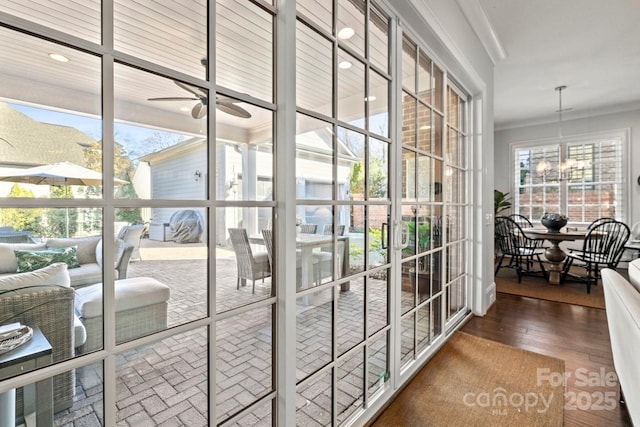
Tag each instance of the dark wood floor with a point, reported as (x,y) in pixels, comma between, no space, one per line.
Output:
(578,335)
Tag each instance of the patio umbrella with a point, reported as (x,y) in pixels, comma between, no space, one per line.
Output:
(63,173)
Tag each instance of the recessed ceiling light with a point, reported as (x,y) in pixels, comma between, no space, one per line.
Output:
(425,127)
(184,108)
(58,57)
(346,33)
(370,98)
(345,65)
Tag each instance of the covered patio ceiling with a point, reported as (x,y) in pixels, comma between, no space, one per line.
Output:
(168,34)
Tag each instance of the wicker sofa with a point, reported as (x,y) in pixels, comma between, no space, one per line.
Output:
(44,299)
(89,254)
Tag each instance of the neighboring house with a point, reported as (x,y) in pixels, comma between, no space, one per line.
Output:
(25,143)
(180,172)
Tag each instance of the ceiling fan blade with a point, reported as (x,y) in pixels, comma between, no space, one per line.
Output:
(174,98)
(193,89)
(199,111)
(232,109)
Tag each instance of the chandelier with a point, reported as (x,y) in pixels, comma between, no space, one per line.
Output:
(569,165)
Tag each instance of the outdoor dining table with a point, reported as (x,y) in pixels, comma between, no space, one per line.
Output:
(307,243)
(554,254)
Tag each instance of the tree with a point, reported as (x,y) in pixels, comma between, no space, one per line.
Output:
(23,219)
(123,169)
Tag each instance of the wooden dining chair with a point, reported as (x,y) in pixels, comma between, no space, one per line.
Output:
(522,251)
(603,246)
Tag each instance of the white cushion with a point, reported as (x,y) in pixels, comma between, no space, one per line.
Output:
(86,247)
(129,293)
(8,263)
(54,274)
(634,273)
(85,274)
(79,332)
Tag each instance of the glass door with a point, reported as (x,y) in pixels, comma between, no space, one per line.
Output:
(432,233)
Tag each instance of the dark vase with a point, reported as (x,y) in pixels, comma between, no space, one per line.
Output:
(553,222)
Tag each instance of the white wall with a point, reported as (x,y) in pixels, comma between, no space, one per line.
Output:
(624,120)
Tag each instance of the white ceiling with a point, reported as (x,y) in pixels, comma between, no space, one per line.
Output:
(591,46)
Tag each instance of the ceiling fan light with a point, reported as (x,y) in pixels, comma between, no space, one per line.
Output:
(346,33)
(184,108)
(58,57)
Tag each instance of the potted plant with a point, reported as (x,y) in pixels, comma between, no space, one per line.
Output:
(501,201)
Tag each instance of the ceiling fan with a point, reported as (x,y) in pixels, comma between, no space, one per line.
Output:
(223,103)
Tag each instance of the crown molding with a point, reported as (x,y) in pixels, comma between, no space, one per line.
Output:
(481,24)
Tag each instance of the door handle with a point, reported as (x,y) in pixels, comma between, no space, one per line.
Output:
(384,230)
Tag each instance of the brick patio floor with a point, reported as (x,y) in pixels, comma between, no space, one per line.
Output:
(166,383)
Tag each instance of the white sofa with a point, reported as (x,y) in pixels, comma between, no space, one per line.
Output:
(622,301)
(89,255)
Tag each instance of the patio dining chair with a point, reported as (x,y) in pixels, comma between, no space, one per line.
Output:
(250,265)
(522,251)
(308,228)
(603,246)
(267,235)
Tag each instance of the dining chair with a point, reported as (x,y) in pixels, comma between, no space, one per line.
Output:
(522,251)
(603,246)
(267,235)
(328,229)
(309,228)
(522,220)
(250,265)
(599,221)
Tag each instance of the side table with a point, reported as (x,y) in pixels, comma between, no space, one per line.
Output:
(38,397)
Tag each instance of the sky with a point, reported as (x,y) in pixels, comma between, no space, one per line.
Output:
(130,136)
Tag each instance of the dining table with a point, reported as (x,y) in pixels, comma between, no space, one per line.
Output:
(306,243)
(554,253)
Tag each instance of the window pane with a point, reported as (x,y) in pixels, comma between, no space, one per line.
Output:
(350,388)
(378,363)
(378,235)
(408,175)
(408,293)
(378,38)
(314,333)
(378,184)
(409,106)
(166,379)
(425,126)
(320,13)
(409,52)
(34,134)
(356,239)
(314,159)
(425,88)
(244,360)
(407,345)
(350,316)
(244,157)
(377,315)
(244,48)
(80,19)
(352,167)
(243,267)
(314,65)
(314,401)
(351,89)
(378,101)
(351,24)
(155,31)
(438,82)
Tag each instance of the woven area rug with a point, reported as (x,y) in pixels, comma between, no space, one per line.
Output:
(472,381)
(569,292)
